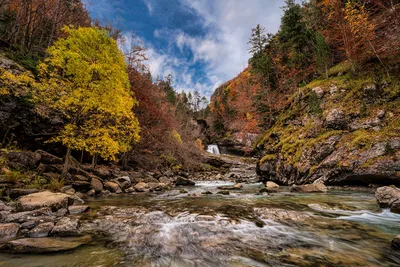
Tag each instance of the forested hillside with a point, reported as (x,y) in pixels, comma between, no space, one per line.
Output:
(120,112)
(316,41)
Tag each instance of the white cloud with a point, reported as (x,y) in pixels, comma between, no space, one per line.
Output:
(225,48)
(149,5)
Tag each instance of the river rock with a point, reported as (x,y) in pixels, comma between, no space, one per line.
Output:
(81,185)
(29,224)
(76,209)
(45,245)
(396,242)
(91,193)
(41,230)
(113,187)
(8,231)
(61,212)
(184,182)
(66,227)
(223,192)
(238,186)
(124,182)
(165,180)
(142,187)
(25,159)
(272,186)
(387,195)
(34,201)
(44,214)
(310,188)
(158,186)
(96,185)
(5,207)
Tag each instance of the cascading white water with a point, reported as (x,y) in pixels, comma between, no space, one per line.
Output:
(213,149)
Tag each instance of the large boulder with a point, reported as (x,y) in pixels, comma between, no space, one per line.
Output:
(41,230)
(113,187)
(271,186)
(77,209)
(24,159)
(96,185)
(386,196)
(45,245)
(39,200)
(142,187)
(66,227)
(43,214)
(124,182)
(396,242)
(310,188)
(336,119)
(8,231)
(184,182)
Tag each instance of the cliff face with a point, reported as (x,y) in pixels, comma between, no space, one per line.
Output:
(342,130)
(233,120)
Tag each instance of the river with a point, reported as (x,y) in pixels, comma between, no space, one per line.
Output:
(245,228)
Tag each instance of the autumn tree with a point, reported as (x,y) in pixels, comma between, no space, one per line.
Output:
(85,77)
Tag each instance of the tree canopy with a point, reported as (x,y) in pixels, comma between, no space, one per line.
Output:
(85,77)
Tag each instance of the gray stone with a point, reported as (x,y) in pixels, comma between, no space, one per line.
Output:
(66,227)
(113,187)
(142,187)
(8,231)
(34,201)
(29,224)
(43,214)
(387,195)
(396,242)
(41,230)
(26,159)
(123,182)
(184,182)
(96,185)
(336,119)
(76,209)
(45,245)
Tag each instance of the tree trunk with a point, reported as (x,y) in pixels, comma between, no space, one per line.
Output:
(53,29)
(94,160)
(67,160)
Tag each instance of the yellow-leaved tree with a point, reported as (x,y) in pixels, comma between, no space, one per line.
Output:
(85,77)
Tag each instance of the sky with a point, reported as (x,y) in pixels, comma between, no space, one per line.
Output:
(201,43)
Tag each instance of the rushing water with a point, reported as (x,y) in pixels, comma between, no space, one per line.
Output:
(339,228)
(213,149)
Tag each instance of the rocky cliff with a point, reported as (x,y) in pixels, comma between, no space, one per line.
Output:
(341,130)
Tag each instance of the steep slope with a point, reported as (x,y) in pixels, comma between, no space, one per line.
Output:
(233,120)
(342,130)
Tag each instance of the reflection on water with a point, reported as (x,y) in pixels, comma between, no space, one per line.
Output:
(339,228)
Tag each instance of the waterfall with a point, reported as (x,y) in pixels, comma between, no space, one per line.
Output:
(213,149)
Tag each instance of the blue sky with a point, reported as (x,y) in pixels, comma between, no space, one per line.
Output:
(202,43)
